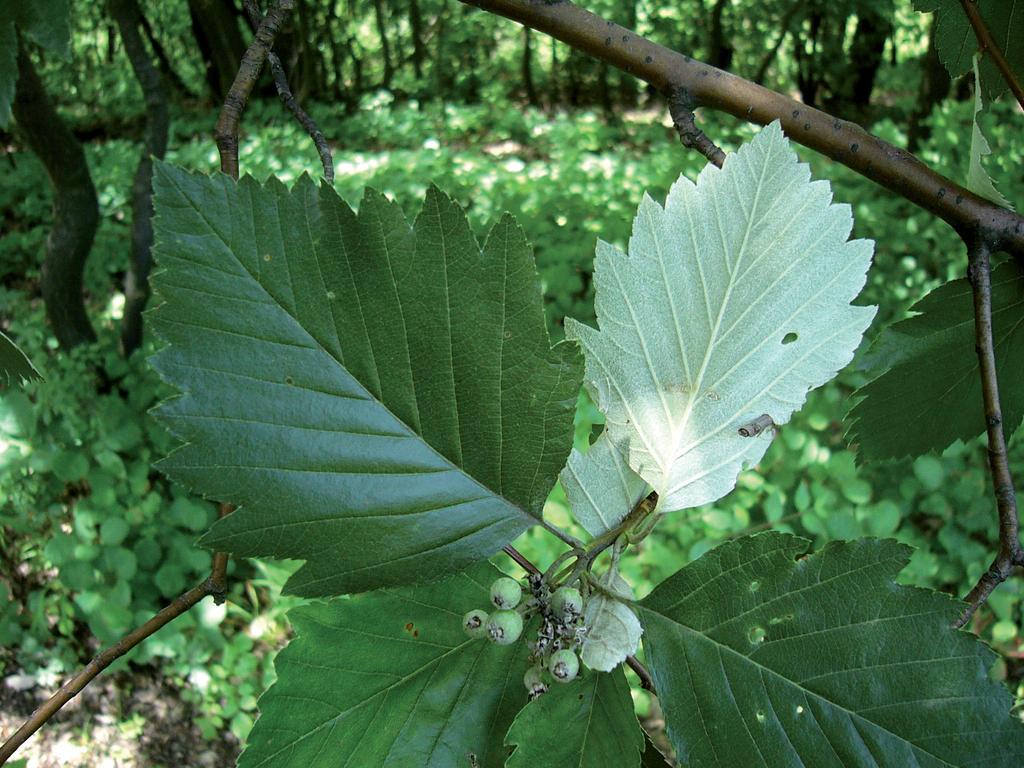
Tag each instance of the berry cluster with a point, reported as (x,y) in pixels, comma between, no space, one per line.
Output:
(561,631)
(505,625)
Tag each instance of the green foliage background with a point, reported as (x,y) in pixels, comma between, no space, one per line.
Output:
(94,541)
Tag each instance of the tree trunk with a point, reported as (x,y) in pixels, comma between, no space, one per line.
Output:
(302,60)
(807,77)
(773,49)
(338,89)
(385,46)
(419,53)
(935,85)
(165,63)
(215,27)
(75,209)
(719,50)
(575,87)
(128,16)
(469,61)
(604,92)
(852,97)
(531,91)
(440,58)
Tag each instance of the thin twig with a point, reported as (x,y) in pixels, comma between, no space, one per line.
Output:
(226,131)
(105,658)
(681,107)
(521,560)
(1010,553)
(643,509)
(646,681)
(215,586)
(712,88)
(565,536)
(634,663)
(987,44)
(285,92)
(773,49)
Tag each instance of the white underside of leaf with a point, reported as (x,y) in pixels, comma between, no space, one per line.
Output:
(697,321)
(601,487)
(978,180)
(613,630)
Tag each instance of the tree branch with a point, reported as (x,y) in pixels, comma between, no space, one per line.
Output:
(646,681)
(74,686)
(285,92)
(681,110)
(844,142)
(521,560)
(215,586)
(75,208)
(987,44)
(773,49)
(1010,553)
(129,20)
(226,132)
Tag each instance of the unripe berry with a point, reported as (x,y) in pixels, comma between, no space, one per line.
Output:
(474,623)
(506,593)
(567,603)
(504,627)
(564,666)
(534,682)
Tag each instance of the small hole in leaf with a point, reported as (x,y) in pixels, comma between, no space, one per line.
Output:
(799,710)
(760,716)
(755,585)
(756,635)
(789,338)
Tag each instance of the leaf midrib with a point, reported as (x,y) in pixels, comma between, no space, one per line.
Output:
(434,662)
(720,647)
(319,346)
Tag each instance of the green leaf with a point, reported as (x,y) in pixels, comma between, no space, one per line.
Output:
(14,364)
(734,302)
(957,42)
(600,486)
(929,392)
(763,655)
(381,401)
(390,679)
(613,630)
(588,723)
(978,180)
(46,22)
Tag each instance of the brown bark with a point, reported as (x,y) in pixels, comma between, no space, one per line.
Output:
(852,95)
(527,66)
(843,141)
(385,45)
(719,50)
(215,27)
(75,208)
(419,52)
(128,16)
(935,85)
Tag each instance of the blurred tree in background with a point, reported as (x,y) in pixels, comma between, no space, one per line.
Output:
(93,540)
